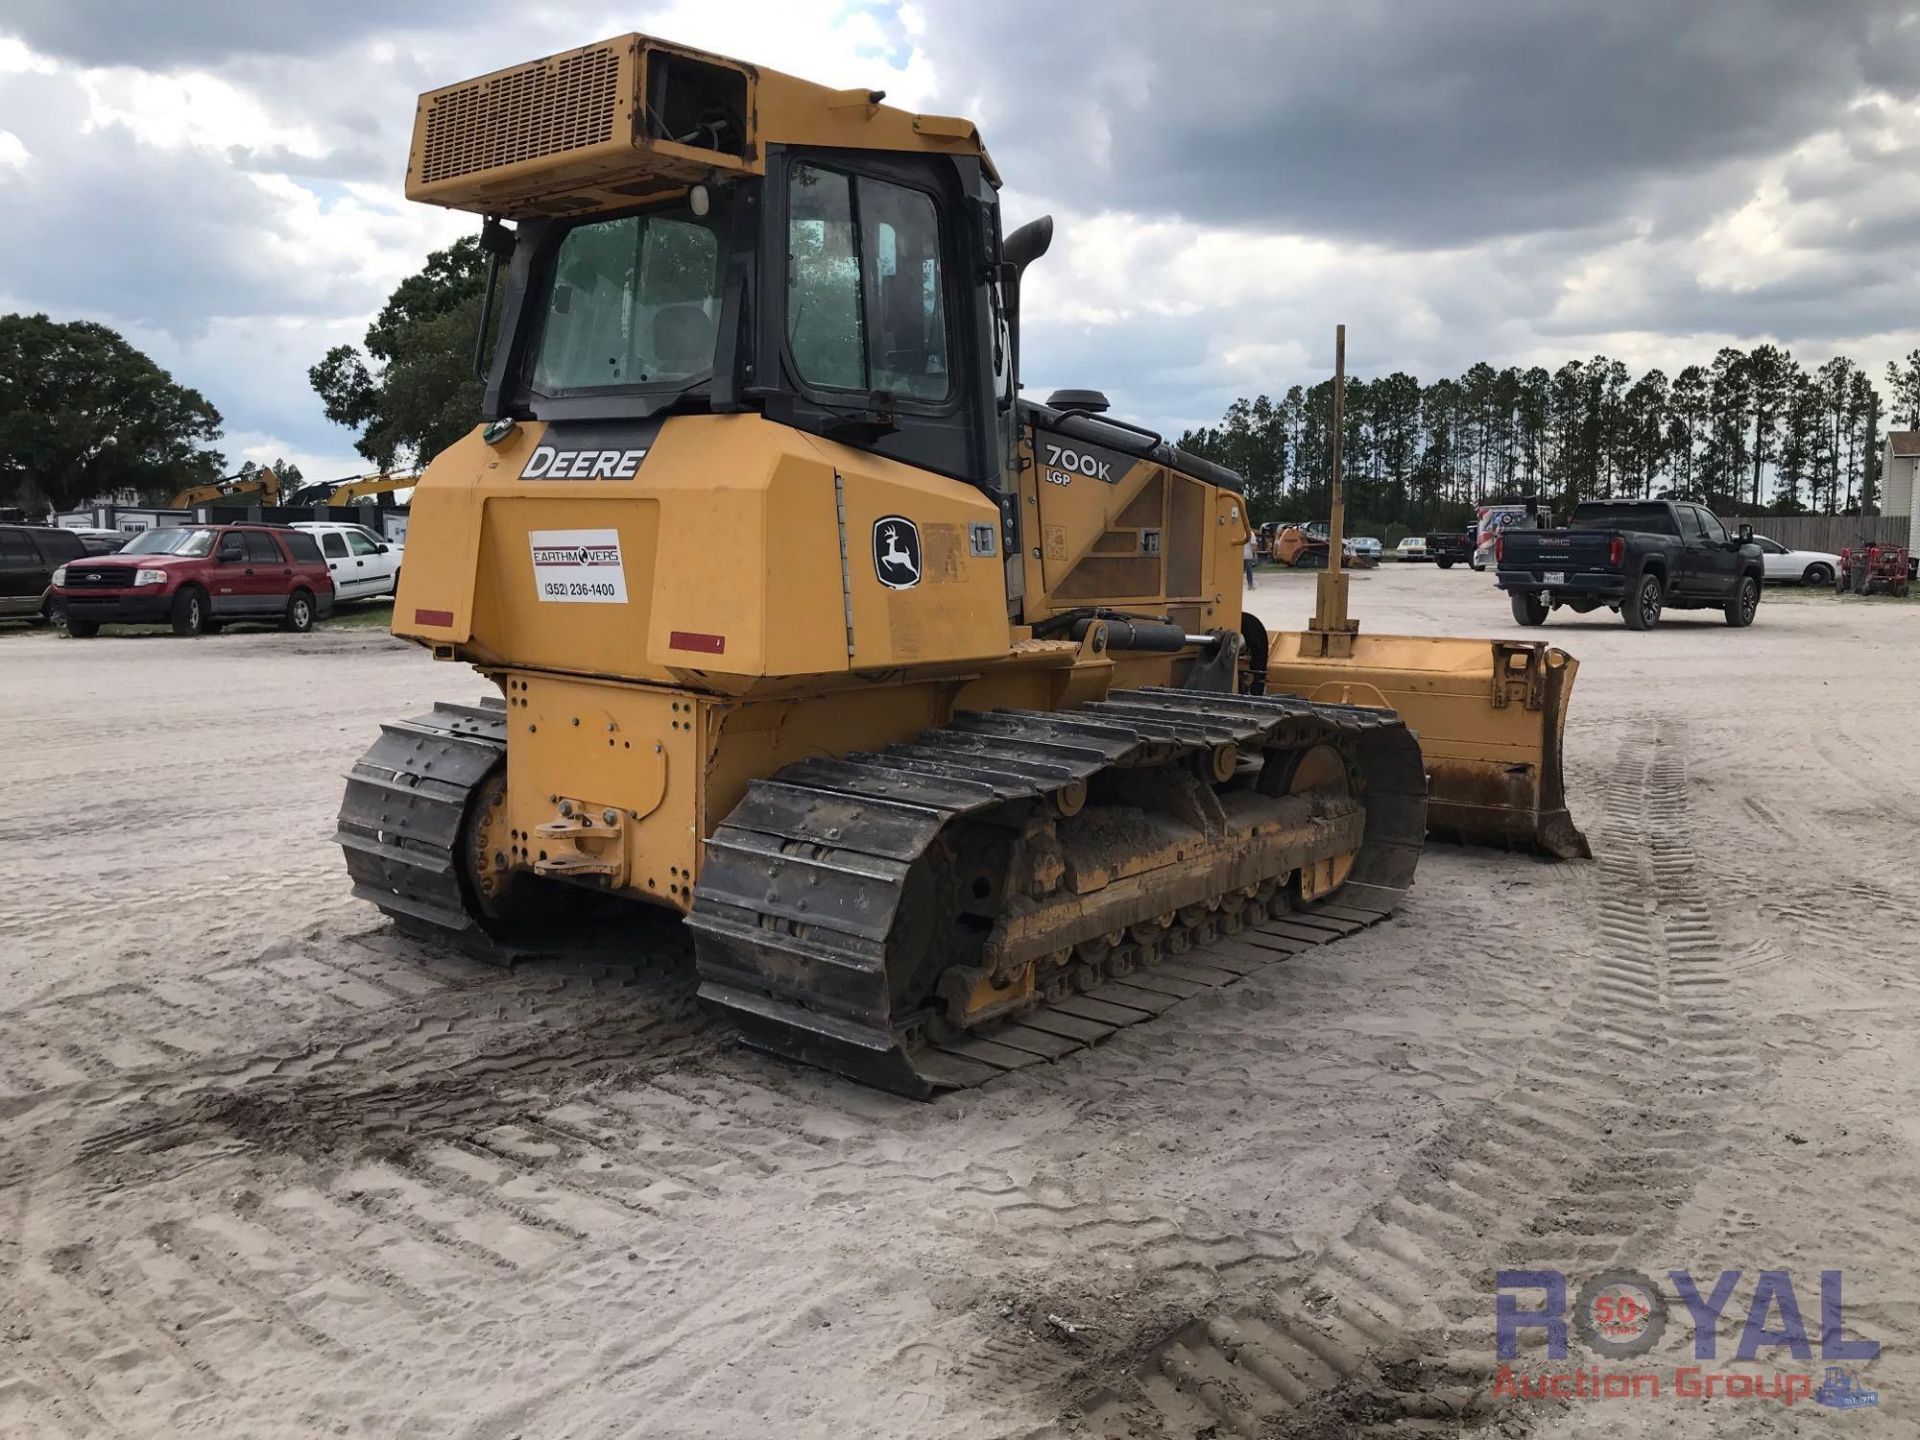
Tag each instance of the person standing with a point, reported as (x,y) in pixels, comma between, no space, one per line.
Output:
(1249,553)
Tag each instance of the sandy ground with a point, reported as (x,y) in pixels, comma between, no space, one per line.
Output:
(268,1169)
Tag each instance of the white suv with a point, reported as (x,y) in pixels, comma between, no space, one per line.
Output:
(361,563)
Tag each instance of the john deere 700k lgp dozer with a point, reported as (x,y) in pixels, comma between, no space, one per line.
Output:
(924,703)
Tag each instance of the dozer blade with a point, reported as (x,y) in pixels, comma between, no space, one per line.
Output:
(1490,716)
(1017,885)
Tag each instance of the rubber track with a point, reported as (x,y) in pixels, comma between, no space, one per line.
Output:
(400,819)
(804,882)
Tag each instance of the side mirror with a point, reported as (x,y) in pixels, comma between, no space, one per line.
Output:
(382,549)
(229,557)
(1746,534)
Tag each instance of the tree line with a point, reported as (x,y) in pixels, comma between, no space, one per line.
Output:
(1752,432)
(83,414)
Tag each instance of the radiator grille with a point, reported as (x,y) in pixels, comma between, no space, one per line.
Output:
(568,103)
(81,576)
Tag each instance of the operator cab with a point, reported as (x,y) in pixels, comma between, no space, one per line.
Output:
(848,291)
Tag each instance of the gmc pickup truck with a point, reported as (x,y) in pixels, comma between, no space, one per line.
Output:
(1635,556)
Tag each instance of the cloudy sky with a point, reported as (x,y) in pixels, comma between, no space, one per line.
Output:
(1456,179)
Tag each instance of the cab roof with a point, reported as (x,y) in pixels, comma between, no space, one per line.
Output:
(623,121)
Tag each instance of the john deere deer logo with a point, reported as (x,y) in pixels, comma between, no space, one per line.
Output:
(896,552)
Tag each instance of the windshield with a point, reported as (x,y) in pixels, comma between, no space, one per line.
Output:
(634,301)
(1648,519)
(174,540)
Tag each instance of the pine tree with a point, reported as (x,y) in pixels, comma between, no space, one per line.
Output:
(1768,374)
(1688,404)
(1799,443)
(1566,425)
(1903,391)
(1531,411)
(1836,394)
(1645,422)
(1724,464)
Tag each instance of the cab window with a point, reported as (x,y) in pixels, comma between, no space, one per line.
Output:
(633,301)
(866,309)
(302,547)
(360,544)
(58,545)
(1710,525)
(232,547)
(334,544)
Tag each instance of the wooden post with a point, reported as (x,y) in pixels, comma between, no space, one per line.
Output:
(1337,523)
(1330,632)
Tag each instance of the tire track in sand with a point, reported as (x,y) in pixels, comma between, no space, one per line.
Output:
(1576,1166)
(156,1303)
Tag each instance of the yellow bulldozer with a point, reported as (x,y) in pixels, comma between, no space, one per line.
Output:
(934,709)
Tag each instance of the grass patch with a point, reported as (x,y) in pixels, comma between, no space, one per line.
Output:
(354,615)
(361,615)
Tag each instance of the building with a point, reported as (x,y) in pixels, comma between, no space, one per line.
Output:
(1898,459)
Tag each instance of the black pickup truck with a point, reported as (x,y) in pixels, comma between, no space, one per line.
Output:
(1635,556)
(1444,547)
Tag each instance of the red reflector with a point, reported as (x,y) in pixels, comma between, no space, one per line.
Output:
(694,640)
(434,617)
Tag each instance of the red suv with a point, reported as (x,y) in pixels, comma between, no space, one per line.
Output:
(198,577)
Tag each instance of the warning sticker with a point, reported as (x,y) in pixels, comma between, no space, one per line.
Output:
(581,566)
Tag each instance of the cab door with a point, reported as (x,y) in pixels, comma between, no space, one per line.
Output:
(229,586)
(333,548)
(1719,556)
(22,577)
(368,570)
(267,575)
(1707,555)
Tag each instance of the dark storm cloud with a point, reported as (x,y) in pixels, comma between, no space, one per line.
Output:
(1506,180)
(159,34)
(1819,306)
(1412,123)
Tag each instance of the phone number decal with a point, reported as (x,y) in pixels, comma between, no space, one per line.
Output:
(581,567)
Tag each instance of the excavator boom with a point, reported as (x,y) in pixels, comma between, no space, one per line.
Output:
(263,483)
(348,491)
